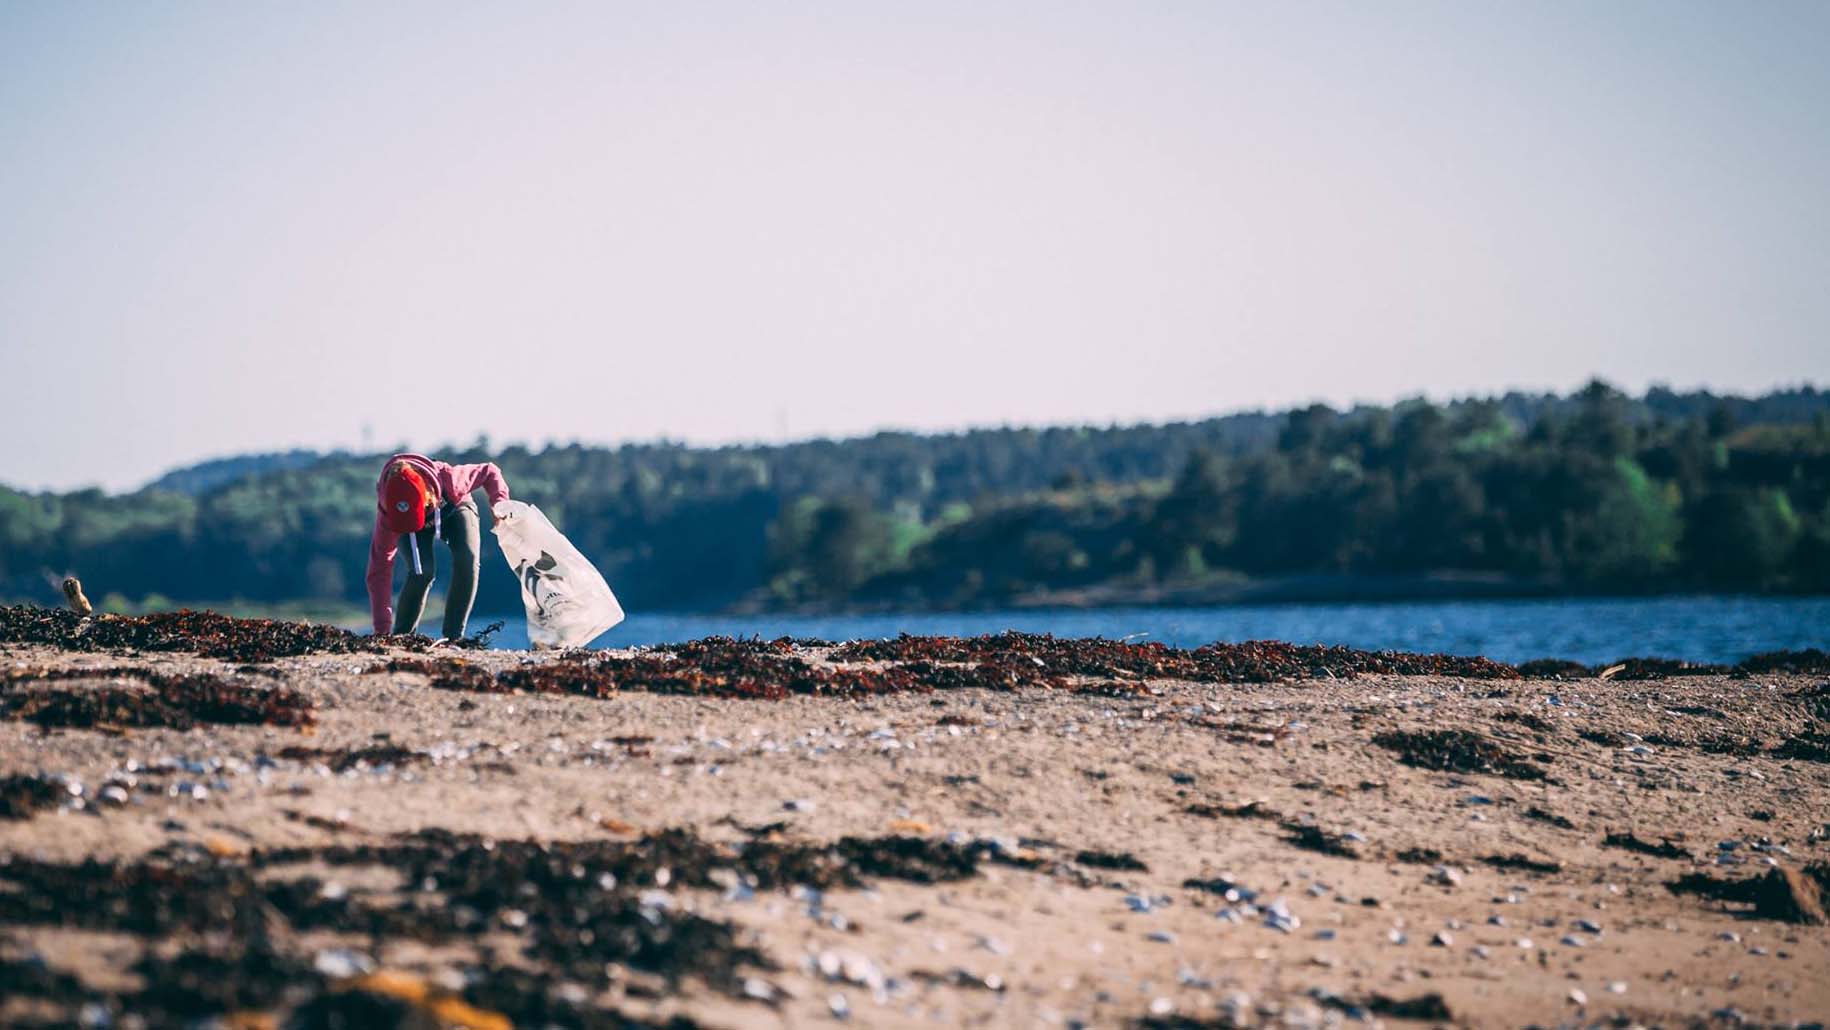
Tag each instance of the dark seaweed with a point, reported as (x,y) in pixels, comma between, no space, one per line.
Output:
(353,758)
(1248,810)
(1457,751)
(576,905)
(1424,1006)
(201,633)
(1429,1006)
(726,667)
(717,667)
(1628,842)
(1420,856)
(1313,838)
(356,1010)
(206,980)
(1606,738)
(1260,661)
(478,641)
(1122,861)
(1554,669)
(1808,747)
(1661,668)
(1815,699)
(175,702)
(1540,815)
(22,796)
(1722,743)
(1787,895)
(1522,862)
(1536,723)
(1809,662)
(31,978)
(213,635)
(915,859)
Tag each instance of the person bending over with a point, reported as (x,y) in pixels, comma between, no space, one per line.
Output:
(419,500)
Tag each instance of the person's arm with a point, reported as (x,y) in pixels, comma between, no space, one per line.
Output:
(380,578)
(485,477)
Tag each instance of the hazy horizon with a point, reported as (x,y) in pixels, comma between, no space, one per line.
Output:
(235,229)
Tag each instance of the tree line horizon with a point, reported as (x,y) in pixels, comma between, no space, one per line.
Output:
(1592,492)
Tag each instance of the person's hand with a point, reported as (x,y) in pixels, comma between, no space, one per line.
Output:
(499,511)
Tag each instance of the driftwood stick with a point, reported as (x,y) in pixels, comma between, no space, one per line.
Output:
(73,592)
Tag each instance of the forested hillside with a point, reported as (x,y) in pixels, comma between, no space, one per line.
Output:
(1595,492)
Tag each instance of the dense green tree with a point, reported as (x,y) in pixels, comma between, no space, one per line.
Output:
(1602,423)
(1810,563)
(1592,492)
(1192,527)
(825,550)
(1632,540)
(1740,539)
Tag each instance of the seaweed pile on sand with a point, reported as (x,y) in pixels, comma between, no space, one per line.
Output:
(1629,670)
(1808,662)
(1630,842)
(1007,661)
(719,667)
(776,669)
(1462,751)
(1259,661)
(576,913)
(375,756)
(170,701)
(1554,669)
(1783,893)
(22,795)
(206,634)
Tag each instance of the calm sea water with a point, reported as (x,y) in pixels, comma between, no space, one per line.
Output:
(1714,629)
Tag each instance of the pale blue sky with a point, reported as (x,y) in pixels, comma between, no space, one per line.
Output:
(244,226)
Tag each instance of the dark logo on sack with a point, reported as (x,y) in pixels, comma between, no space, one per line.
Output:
(544,585)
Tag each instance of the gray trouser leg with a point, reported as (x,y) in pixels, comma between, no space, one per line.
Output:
(463,532)
(413,592)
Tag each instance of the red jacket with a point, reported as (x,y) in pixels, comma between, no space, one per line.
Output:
(455,483)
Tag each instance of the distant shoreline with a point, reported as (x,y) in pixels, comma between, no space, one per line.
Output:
(1292,590)
(1283,590)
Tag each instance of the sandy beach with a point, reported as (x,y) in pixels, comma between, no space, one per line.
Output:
(1107,851)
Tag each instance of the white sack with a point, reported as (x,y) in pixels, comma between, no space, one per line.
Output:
(568,602)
